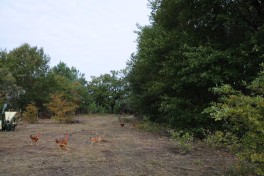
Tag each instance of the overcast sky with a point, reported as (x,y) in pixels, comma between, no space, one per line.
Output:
(95,36)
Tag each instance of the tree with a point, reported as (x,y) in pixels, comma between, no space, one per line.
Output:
(71,73)
(61,108)
(31,113)
(108,90)
(29,66)
(71,83)
(9,91)
(190,47)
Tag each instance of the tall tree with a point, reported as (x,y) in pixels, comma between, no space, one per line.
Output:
(28,65)
(9,91)
(108,90)
(71,73)
(70,82)
(190,47)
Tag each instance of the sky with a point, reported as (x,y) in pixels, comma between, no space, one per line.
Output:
(94,36)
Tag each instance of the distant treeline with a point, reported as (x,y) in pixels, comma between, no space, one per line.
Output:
(26,78)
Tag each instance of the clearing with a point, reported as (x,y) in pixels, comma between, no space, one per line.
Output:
(123,151)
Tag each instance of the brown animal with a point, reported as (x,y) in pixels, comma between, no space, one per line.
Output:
(96,139)
(34,138)
(122,124)
(62,143)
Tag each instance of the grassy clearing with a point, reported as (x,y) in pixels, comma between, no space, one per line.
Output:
(123,151)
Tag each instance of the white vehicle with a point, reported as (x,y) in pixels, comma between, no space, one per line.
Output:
(8,120)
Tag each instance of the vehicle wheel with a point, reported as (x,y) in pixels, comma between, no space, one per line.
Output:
(13,128)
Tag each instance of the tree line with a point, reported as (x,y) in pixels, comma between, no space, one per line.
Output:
(198,68)
(26,78)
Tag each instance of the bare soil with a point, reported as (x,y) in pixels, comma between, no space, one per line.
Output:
(124,151)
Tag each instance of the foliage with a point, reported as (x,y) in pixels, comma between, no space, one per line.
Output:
(181,139)
(71,73)
(62,108)
(242,169)
(94,109)
(242,116)
(71,83)
(222,140)
(108,91)
(25,76)
(9,91)
(31,113)
(151,127)
(188,48)
(28,65)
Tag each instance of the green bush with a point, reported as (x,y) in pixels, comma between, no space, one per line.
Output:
(220,140)
(150,126)
(92,108)
(101,110)
(182,140)
(242,116)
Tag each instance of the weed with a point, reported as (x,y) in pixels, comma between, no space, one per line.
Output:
(221,140)
(151,127)
(183,140)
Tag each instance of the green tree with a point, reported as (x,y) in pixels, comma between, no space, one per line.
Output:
(190,47)
(71,83)
(29,66)
(71,73)
(9,91)
(108,91)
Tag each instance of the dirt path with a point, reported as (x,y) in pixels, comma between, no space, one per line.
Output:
(124,151)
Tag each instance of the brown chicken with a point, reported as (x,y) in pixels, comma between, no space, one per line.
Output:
(34,138)
(96,139)
(62,143)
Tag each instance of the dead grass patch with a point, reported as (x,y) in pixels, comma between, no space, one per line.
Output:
(123,151)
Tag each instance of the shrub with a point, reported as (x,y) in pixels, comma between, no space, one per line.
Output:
(182,140)
(31,113)
(62,109)
(150,126)
(242,116)
(220,140)
(92,108)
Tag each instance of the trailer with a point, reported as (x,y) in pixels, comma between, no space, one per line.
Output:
(8,120)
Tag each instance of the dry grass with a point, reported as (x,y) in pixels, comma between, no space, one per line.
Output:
(123,151)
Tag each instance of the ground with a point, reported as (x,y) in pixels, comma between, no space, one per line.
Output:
(123,152)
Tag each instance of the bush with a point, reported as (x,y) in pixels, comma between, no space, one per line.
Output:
(242,116)
(150,126)
(182,140)
(31,113)
(62,109)
(220,140)
(94,109)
